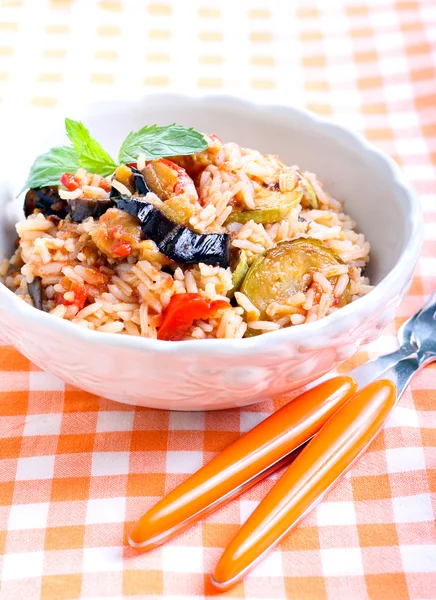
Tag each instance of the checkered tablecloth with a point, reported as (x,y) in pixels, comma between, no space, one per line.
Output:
(76,470)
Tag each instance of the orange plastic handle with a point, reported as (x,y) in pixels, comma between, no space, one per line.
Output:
(240,464)
(312,473)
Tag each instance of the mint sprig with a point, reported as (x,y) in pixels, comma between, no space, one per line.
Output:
(48,168)
(154,141)
(92,157)
(158,142)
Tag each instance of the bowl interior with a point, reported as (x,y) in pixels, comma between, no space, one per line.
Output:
(350,172)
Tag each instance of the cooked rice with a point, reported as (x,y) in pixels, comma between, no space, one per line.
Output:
(129,295)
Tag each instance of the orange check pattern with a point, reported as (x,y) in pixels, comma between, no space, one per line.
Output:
(77,470)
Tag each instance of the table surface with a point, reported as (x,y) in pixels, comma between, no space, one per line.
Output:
(77,470)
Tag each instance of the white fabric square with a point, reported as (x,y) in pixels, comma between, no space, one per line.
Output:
(430,231)
(419,559)
(182,559)
(105,510)
(336,513)
(187,421)
(424,172)
(28,516)
(388,41)
(384,344)
(428,13)
(412,509)
(103,559)
(110,463)
(184,461)
(403,417)
(246,507)
(389,65)
(348,97)
(335,74)
(251,419)
(428,202)
(401,460)
(409,146)
(40,380)
(398,91)
(338,45)
(19,565)
(403,119)
(354,121)
(115,420)
(337,562)
(384,17)
(49,424)
(270,566)
(35,467)
(427,266)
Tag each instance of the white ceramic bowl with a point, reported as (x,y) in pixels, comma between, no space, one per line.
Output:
(214,374)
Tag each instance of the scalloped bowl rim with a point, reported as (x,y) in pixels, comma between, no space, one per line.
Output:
(331,323)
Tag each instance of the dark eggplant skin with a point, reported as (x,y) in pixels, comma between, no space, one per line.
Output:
(35,292)
(47,200)
(114,193)
(189,247)
(154,224)
(83,208)
(141,187)
(180,244)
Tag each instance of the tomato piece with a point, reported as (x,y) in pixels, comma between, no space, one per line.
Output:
(182,311)
(122,249)
(183,178)
(118,244)
(104,185)
(335,301)
(172,165)
(70,181)
(318,292)
(134,165)
(80,295)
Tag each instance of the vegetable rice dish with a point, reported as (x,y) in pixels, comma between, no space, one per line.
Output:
(183,237)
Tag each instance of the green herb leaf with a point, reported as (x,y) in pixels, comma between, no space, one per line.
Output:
(92,157)
(49,167)
(157,142)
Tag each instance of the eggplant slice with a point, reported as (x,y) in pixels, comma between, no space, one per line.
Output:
(83,208)
(35,292)
(180,244)
(175,241)
(141,187)
(47,200)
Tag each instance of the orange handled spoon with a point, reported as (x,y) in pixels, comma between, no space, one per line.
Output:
(326,457)
(250,458)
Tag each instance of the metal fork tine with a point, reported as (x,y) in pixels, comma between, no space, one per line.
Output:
(375,368)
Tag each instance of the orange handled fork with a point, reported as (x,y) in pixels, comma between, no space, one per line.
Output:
(325,458)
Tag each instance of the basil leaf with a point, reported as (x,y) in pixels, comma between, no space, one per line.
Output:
(92,157)
(49,167)
(157,142)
